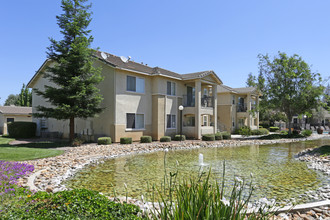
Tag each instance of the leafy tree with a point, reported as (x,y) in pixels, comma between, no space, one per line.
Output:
(326,97)
(251,80)
(11,100)
(291,86)
(25,97)
(75,94)
(22,99)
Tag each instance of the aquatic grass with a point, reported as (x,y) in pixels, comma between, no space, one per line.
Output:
(198,198)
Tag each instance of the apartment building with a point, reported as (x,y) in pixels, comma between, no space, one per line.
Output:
(237,108)
(140,100)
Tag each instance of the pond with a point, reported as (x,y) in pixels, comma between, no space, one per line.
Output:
(276,174)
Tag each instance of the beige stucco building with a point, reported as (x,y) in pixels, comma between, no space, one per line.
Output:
(13,113)
(140,100)
(236,108)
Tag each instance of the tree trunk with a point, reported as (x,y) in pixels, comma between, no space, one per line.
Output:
(71,129)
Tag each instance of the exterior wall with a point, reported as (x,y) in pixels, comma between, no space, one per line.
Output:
(224,116)
(3,121)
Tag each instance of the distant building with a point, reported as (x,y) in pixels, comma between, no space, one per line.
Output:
(13,113)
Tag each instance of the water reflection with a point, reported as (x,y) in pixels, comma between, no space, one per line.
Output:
(276,172)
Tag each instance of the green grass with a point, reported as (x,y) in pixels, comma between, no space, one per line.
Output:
(29,151)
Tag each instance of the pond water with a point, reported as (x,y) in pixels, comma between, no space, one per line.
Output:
(276,174)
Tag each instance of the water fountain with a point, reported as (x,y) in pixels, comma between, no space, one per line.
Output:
(201,160)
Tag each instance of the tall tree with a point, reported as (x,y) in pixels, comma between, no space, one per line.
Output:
(291,86)
(25,97)
(75,94)
(251,80)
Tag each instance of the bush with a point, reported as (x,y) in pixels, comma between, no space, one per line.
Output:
(146,139)
(178,137)
(256,132)
(307,133)
(260,126)
(104,140)
(284,132)
(226,135)
(22,129)
(75,204)
(125,140)
(264,131)
(274,129)
(218,136)
(165,139)
(77,142)
(296,132)
(208,137)
(245,131)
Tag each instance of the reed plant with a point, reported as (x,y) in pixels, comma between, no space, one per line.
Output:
(199,199)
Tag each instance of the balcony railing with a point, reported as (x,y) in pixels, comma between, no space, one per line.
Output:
(207,101)
(241,108)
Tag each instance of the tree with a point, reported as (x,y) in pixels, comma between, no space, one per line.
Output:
(11,100)
(291,86)
(22,99)
(25,97)
(326,97)
(75,94)
(251,80)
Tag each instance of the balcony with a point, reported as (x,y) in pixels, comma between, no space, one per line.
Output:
(241,107)
(207,102)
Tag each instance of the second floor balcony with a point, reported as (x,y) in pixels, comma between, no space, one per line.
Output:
(243,107)
(206,101)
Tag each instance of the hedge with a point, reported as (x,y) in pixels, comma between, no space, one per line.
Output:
(307,133)
(274,129)
(165,139)
(208,137)
(125,140)
(178,137)
(226,135)
(146,139)
(218,136)
(22,129)
(104,140)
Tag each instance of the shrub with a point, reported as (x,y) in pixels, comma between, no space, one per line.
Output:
(284,132)
(146,139)
(125,140)
(165,139)
(260,126)
(256,132)
(226,135)
(307,133)
(75,204)
(178,137)
(218,136)
(264,131)
(104,140)
(22,129)
(246,131)
(208,137)
(274,129)
(296,132)
(77,142)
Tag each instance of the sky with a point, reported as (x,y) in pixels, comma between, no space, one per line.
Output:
(179,35)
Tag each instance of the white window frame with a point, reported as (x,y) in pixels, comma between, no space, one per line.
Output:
(134,129)
(172,88)
(171,117)
(205,119)
(138,81)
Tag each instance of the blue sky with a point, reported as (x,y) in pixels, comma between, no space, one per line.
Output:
(179,35)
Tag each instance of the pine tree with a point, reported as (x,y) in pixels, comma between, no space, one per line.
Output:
(75,94)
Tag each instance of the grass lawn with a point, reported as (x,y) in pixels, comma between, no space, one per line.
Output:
(27,151)
(324,150)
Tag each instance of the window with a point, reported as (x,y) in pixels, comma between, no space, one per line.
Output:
(170,88)
(135,84)
(189,121)
(171,121)
(233,100)
(10,120)
(134,121)
(204,120)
